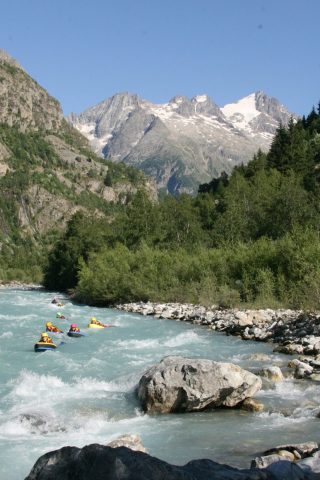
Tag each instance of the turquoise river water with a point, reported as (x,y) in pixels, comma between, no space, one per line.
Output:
(84,392)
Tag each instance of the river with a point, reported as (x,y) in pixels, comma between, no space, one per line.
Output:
(84,391)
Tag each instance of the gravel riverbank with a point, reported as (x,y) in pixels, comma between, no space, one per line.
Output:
(20,285)
(293,332)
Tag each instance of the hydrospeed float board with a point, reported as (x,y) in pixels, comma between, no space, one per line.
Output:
(43,346)
(75,334)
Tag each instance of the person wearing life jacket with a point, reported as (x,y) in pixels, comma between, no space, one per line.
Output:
(52,328)
(45,338)
(59,315)
(74,328)
(94,321)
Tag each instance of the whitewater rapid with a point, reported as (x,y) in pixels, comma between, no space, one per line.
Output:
(84,392)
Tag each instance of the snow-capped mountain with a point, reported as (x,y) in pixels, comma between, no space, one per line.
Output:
(183,142)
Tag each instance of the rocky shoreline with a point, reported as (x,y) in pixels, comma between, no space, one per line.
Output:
(20,285)
(293,331)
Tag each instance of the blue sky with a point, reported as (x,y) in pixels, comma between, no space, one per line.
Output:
(83,51)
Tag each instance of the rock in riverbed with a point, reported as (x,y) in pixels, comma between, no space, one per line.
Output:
(272,373)
(130,441)
(252,405)
(179,384)
(305,455)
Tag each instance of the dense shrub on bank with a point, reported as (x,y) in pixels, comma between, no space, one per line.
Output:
(264,273)
(21,261)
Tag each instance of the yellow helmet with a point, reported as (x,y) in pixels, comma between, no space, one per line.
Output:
(49,324)
(93,318)
(44,334)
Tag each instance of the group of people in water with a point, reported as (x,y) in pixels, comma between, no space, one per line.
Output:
(52,328)
(45,338)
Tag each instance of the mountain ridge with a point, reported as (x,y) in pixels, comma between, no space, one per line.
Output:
(48,171)
(192,139)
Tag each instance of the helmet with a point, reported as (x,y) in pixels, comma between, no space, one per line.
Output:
(44,334)
(49,324)
(93,318)
(73,325)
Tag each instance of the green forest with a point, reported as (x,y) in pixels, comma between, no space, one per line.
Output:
(33,163)
(250,239)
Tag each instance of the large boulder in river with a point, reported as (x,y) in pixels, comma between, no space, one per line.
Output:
(97,462)
(179,384)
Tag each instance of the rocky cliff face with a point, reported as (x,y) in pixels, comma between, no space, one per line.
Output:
(23,103)
(47,169)
(184,142)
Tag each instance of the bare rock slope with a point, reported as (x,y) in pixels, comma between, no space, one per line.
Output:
(183,142)
(48,170)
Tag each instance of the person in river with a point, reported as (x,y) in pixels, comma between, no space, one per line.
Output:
(45,338)
(59,315)
(74,328)
(56,302)
(94,321)
(52,328)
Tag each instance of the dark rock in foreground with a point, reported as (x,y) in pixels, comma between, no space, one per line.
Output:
(179,384)
(97,462)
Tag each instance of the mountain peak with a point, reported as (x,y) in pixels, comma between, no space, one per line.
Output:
(178,99)
(257,112)
(271,106)
(242,111)
(24,103)
(201,98)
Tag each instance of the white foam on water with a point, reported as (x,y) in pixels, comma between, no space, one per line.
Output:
(290,390)
(30,384)
(42,422)
(277,419)
(96,362)
(81,428)
(30,390)
(93,385)
(6,335)
(305,412)
(19,318)
(68,363)
(23,300)
(137,362)
(14,428)
(138,344)
(238,358)
(183,339)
